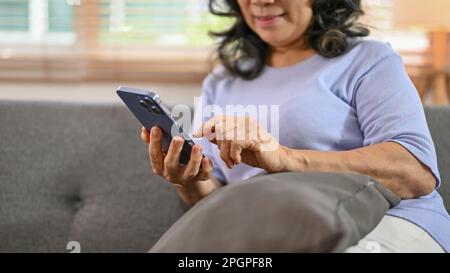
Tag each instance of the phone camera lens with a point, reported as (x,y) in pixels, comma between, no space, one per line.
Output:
(149,105)
(155,110)
(143,104)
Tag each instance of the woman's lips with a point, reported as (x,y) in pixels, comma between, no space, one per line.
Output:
(268,21)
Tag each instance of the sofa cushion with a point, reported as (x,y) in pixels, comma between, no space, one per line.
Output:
(288,212)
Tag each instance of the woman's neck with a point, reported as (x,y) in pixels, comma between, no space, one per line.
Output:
(288,56)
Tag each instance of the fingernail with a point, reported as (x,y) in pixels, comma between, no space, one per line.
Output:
(177,139)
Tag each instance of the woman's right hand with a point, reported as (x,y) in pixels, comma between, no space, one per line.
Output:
(167,165)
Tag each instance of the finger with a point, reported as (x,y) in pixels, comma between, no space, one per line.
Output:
(223,133)
(155,151)
(193,167)
(232,128)
(234,131)
(145,135)
(206,170)
(235,152)
(172,160)
(225,153)
(257,133)
(208,128)
(203,130)
(263,135)
(224,130)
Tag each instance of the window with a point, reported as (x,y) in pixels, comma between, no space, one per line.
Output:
(158,23)
(106,39)
(379,15)
(414,46)
(60,16)
(14,16)
(133,39)
(36,22)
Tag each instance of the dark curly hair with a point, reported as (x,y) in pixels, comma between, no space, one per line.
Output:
(334,24)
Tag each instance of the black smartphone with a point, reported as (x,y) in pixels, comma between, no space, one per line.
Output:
(148,108)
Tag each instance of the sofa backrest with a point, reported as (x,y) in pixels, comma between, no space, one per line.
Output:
(438,118)
(79,172)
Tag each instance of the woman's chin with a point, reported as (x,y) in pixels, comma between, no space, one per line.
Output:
(273,41)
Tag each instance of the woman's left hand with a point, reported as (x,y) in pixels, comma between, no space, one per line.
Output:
(243,140)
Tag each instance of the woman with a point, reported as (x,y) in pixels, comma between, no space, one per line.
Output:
(345,105)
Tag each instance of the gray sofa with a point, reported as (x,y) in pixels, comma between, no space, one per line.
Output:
(79,172)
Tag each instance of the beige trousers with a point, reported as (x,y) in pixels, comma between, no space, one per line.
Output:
(396,235)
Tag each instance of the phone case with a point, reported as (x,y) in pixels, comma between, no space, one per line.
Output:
(148,108)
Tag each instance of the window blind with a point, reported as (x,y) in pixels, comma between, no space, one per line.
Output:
(60,16)
(176,23)
(128,39)
(14,15)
